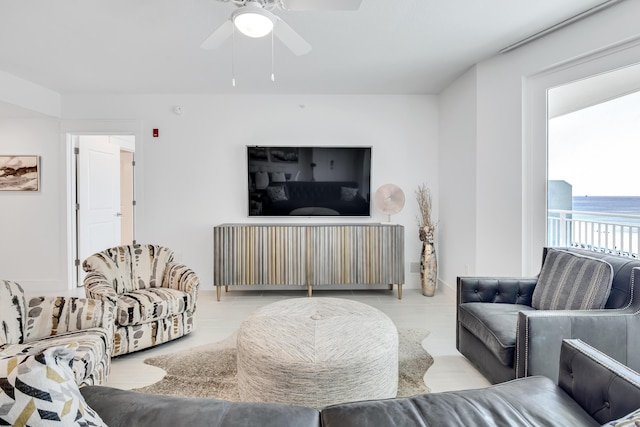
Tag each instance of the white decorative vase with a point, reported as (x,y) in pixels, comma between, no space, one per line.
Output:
(428,269)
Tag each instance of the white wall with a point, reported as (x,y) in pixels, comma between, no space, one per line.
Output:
(457,141)
(194,175)
(33,224)
(505,198)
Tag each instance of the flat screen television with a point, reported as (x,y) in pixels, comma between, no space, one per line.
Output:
(309,181)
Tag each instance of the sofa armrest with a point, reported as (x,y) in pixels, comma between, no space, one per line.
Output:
(97,286)
(504,290)
(605,388)
(50,316)
(540,334)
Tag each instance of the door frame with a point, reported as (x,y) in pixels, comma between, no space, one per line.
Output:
(68,130)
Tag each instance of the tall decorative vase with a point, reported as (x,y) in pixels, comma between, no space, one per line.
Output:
(428,269)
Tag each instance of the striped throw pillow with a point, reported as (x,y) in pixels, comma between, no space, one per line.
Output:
(569,281)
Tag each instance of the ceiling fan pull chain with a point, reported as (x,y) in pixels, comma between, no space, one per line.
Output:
(233,72)
(273,76)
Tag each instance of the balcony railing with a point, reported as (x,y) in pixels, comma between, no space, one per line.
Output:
(603,232)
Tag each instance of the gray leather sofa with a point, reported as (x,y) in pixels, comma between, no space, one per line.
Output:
(593,390)
(505,338)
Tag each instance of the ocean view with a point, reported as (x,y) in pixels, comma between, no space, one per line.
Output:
(609,204)
(612,224)
(615,204)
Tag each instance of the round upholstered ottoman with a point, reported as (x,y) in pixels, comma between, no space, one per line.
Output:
(317,352)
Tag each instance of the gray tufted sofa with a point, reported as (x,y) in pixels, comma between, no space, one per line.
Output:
(505,337)
(301,194)
(593,389)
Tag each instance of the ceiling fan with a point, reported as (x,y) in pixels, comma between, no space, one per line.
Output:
(254,18)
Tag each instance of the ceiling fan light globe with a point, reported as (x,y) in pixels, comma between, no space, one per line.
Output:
(253,23)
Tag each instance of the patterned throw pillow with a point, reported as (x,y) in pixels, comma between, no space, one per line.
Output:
(569,281)
(277,193)
(39,389)
(631,420)
(348,194)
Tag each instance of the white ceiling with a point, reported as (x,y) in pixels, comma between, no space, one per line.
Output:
(152,46)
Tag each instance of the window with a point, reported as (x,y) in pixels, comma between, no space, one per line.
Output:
(593,191)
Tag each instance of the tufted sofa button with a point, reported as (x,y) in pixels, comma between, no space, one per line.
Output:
(606,404)
(475,290)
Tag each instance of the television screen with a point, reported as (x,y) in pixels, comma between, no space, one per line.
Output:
(309,181)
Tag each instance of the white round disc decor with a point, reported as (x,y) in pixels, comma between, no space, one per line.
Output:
(389,199)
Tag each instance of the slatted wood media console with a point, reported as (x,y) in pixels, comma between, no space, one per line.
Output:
(308,255)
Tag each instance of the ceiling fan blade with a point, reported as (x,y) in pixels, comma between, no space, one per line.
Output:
(290,38)
(219,36)
(322,4)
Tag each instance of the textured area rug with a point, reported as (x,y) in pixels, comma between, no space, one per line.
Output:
(210,370)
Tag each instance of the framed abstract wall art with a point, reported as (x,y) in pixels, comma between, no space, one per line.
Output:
(19,173)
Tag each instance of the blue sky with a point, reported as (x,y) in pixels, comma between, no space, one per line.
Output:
(597,150)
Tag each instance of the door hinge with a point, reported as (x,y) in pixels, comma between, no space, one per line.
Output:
(77,206)
(134,241)
(133,163)
(77,262)
(76,150)
(133,202)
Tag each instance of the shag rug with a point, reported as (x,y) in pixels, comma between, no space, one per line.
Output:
(210,370)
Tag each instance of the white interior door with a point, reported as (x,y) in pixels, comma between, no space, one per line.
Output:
(98,186)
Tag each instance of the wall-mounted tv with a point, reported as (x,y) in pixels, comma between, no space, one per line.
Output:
(309,181)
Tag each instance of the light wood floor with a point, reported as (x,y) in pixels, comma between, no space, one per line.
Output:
(217,320)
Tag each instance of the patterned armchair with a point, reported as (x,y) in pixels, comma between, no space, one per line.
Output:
(155,297)
(28,325)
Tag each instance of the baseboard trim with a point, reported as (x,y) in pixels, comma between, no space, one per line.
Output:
(446,289)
